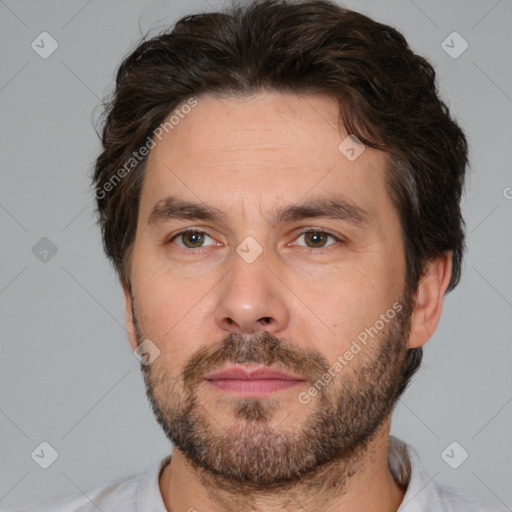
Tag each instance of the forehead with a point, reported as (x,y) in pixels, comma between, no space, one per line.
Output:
(234,129)
(261,151)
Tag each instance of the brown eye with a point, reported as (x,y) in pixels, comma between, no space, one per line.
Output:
(191,239)
(317,239)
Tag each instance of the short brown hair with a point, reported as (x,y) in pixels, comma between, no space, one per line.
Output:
(387,97)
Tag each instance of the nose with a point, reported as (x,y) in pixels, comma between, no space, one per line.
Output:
(251,298)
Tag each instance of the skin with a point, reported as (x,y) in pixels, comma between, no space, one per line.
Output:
(248,157)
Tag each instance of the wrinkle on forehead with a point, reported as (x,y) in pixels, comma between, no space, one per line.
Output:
(259,145)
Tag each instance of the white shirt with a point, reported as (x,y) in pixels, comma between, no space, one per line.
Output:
(141,493)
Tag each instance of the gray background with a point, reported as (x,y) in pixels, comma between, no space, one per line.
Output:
(68,375)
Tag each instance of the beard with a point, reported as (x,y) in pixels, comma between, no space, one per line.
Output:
(256,453)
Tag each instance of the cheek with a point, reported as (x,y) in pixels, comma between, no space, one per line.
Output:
(341,306)
(170,311)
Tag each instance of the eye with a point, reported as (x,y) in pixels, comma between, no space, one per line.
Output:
(195,239)
(191,239)
(317,238)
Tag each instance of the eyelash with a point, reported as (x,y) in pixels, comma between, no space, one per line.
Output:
(302,232)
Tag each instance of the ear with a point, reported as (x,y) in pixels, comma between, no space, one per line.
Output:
(128,313)
(429,300)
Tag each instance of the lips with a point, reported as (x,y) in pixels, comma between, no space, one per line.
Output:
(252,382)
(238,372)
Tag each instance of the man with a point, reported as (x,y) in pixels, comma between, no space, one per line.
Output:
(284,235)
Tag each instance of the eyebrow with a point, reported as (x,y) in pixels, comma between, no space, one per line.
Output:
(334,207)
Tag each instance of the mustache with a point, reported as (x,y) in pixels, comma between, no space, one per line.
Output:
(261,348)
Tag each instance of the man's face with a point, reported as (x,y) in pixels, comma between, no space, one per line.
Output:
(254,287)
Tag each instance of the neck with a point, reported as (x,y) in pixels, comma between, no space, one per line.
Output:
(364,482)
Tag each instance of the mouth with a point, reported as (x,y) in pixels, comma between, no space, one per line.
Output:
(247,381)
